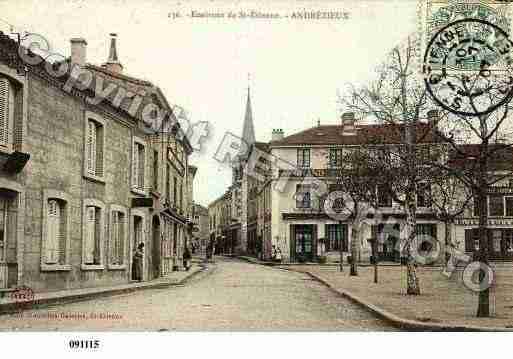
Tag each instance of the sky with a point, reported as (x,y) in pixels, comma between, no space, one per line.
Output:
(296,66)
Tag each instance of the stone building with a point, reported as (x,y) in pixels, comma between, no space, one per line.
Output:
(219,213)
(200,234)
(82,183)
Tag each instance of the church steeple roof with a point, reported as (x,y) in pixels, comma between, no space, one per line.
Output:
(248,130)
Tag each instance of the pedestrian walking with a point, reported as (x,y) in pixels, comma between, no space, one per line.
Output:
(137,263)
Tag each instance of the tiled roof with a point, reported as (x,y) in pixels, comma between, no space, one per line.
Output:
(262,146)
(500,157)
(364,134)
(149,92)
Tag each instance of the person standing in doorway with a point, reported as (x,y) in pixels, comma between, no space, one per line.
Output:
(137,263)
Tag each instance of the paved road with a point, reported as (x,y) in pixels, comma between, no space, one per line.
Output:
(233,295)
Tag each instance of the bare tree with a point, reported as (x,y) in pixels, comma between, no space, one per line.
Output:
(398,98)
(354,195)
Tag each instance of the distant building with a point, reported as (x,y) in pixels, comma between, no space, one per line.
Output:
(277,204)
(200,234)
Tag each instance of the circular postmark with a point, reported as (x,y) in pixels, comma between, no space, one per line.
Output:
(23,297)
(468,67)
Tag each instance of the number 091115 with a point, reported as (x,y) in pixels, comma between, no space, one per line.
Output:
(84,344)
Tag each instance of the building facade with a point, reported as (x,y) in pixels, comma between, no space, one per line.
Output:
(82,184)
(201,232)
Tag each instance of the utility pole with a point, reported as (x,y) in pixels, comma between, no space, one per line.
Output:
(341,266)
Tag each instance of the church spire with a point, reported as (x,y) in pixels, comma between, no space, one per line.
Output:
(248,130)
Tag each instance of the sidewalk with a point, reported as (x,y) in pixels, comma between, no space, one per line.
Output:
(445,304)
(7,305)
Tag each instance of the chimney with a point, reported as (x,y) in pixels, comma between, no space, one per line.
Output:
(78,51)
(277,134)
(348,127)
(113,63)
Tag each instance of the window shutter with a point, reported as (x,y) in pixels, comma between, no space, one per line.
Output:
(140,170)
(89,235)
(121,238)
(91,147)
(98,149)
(97,235)
(62,234)
(135,165)
(114,238)
(52,238)
(4,111)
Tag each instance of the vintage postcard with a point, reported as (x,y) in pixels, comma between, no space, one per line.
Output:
(235,166)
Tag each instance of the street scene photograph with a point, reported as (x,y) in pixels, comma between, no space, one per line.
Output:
(245,166)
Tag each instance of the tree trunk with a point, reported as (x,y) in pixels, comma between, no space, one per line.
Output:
(355,237)
(448,243)
(412,280)
(483,307)
(341,266)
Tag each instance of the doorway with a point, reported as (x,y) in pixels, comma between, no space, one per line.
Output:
(156,250)
(8,222)
(304,242)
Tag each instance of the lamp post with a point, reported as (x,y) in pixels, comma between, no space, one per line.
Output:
(341,265)
(374,243)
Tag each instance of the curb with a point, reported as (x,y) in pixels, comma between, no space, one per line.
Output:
(10,308)
(396,321)
(330,264)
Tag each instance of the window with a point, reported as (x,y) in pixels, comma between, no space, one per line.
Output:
(335,157)
(384,197)
(302,196)
(94,145)
(155,170)
(118,239)
(303,158)
(423,195)
(496,205)
(471,240)
(336,235)
(55,231)
(180,192)
(55,235)
(138,165)
(168,183)
(174,192)
(92,235)
(509,206)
